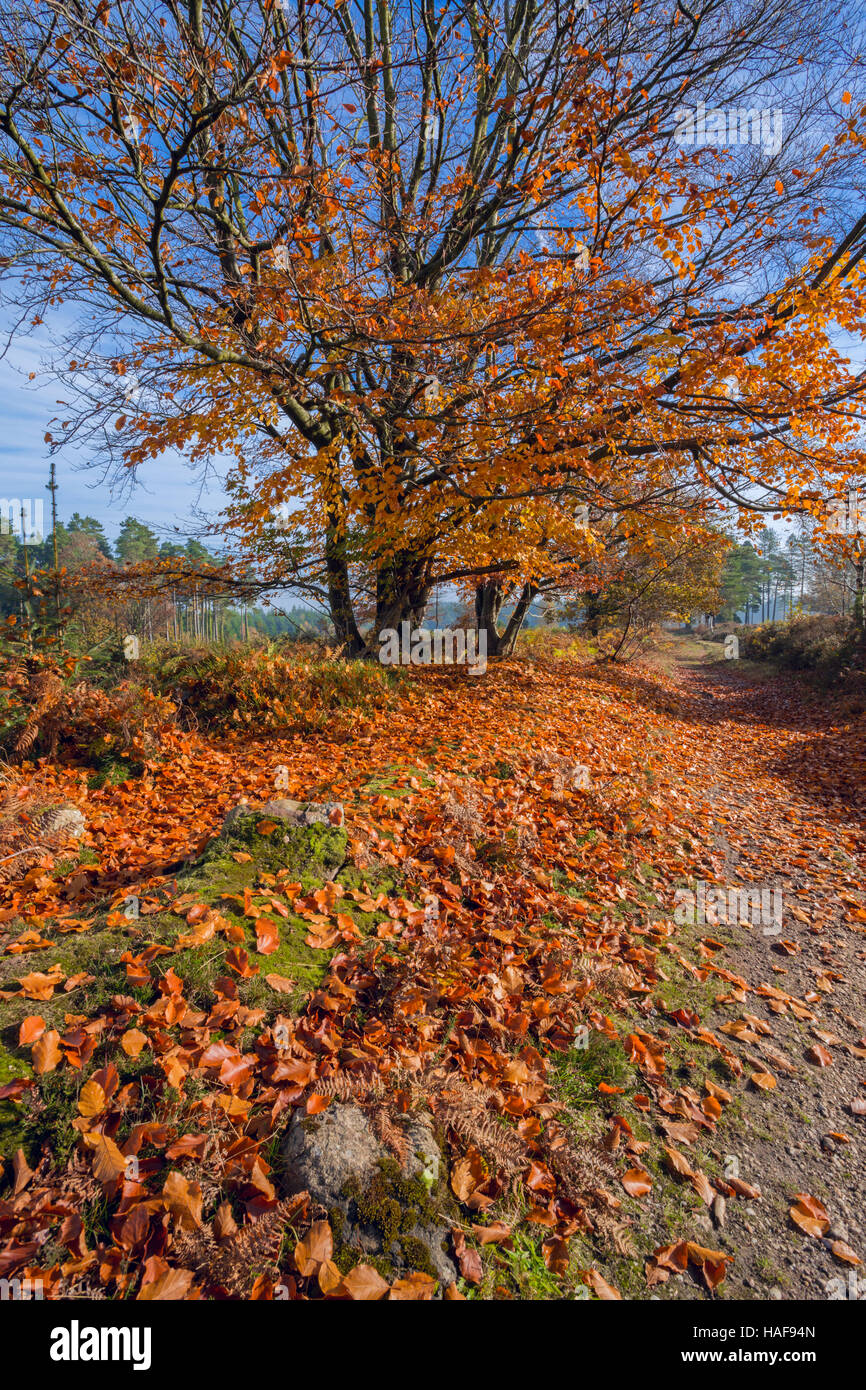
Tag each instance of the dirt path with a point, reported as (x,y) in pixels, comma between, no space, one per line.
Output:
(786,786)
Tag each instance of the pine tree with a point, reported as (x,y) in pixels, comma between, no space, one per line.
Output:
(89,526)
(136,542)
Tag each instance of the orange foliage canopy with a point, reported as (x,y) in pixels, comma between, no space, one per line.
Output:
(433,298)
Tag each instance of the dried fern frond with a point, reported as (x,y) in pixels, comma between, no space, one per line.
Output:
(78,1181)
(388,1130)
(348,1087)
(44,691)
(23,845)
(581,1174)
(235,1264)
(467,1110)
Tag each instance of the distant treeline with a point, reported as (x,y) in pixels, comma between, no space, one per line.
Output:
(82,541)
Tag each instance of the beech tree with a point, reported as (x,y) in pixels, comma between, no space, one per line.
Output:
(436,278)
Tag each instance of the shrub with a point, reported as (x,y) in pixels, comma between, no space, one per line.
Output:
(718,632)
(554,643)
(267,688)
(44,709)
(821,644)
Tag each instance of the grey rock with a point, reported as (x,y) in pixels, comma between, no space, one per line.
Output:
(233,814)
(323,1153)
(293,812)
(283,808)
(776,1294)
(425,1158)
(303,812)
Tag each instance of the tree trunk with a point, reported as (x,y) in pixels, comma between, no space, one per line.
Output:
(517,619)
(339,595)
(592,614)
(402,591)
(859,576)
(489,598)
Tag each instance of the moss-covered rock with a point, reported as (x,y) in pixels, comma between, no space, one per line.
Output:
(383,1212)
(306,854)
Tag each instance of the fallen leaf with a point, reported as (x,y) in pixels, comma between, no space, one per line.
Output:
(174,1284)
(636,1182)
(764,1080)
(315,1249)
(280,983)
(843,1252)
(183,1198)
(46,1053)
(132,1042)
(92,1100)
(365,1284)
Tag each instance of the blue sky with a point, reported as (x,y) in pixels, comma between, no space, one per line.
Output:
(166,494)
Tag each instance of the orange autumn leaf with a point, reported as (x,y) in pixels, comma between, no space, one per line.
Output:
(365,1284)
(31,1028)
(108,1162)
(636,1182)
(329,1277)
(280,983)
(810,1215)
(238,961)
(315,1249)
(173,1285)
(133,1041)
(267,936)
(764,1080)
(676,1162)
(39,985)
(92,1100)
(843,1252)
(414,1288)
(46,1053)
(601,1288)
(183,1198)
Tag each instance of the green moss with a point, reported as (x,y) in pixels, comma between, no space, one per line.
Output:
(397,1207)
(12,1066)
(12,1128)
(346,1257)
(337,1222)
(392,781)
(96,952)
(43,1116)
(112,771)
(416,1255)
(308,853)
(381,882)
